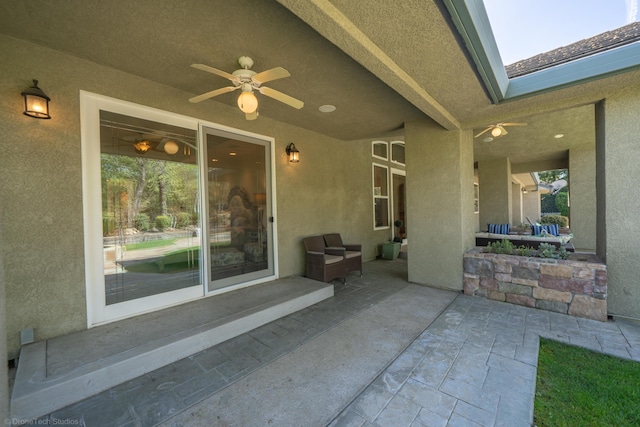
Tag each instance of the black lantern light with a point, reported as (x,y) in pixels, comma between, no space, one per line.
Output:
(36,102)
(293,153)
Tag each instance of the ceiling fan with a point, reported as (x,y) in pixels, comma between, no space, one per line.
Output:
(499,129)
(248,81)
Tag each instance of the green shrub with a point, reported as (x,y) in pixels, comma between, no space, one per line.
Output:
(163,222)
(547,250)
(562,203)
(555,219)
(526,251)
(183,219)
(503,247)
(142,222)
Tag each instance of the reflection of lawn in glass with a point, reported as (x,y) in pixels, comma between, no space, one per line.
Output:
(580,387)
(171,262)
(150,244)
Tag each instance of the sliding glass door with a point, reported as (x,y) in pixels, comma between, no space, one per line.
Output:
(174,210)
(150,212)
(240,223)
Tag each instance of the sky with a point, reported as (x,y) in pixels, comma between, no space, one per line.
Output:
(525,28)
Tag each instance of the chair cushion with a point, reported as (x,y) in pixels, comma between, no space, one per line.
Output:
(499,228)
(552,229)
(352,254)
(332,259)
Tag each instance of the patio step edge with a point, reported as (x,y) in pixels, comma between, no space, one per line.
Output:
(34,395)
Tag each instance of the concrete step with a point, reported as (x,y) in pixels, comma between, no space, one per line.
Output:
(64,370)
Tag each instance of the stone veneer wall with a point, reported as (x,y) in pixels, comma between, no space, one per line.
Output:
(576,288)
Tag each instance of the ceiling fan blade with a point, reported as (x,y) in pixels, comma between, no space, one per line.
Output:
(217,72)
(484,131)
(514,124)
(252,116)
(503,131)
(269,75)
(213,93)
(279,96)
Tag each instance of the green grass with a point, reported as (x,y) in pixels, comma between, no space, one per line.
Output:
(149,244)
(172,262)
(579,387)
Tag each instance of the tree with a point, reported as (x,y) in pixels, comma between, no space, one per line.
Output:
(553,175)
(548,203)
(562,202)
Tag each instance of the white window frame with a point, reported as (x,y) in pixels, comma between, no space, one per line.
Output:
(391,152)
(373,146)
(97,311)
(380,196)
(476,197)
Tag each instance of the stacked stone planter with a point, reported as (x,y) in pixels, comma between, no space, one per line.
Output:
(576,288)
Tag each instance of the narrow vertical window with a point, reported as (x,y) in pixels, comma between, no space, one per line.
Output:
(380,197)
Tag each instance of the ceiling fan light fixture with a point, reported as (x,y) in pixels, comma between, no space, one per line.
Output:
(247,101)
(496,132)
(171,147)
(142,146)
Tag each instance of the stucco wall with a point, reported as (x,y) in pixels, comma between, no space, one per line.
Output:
(329,190)
(439,203)
(4,374)
(622,200)
(582,185)
(531,207)
(494,177)
(516,204)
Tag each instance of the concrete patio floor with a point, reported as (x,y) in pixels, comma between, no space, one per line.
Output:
(380,352)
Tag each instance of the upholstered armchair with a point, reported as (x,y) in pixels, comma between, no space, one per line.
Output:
(324,264)
(353,251)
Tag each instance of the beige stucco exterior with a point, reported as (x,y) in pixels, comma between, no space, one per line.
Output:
(494,177)
(531,206)
(41,219)
(582,184)
(43,242)
(619,198)
(439,203)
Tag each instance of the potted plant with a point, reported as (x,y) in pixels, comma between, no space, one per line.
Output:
(398,223)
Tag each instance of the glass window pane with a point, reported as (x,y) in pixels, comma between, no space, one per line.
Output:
(397,153)
(380,181)
(380,149)
(381,212)
(238,221)
(149,207)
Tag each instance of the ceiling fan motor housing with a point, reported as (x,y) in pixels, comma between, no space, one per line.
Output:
(244,76)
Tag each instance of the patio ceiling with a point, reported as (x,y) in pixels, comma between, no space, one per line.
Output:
(381,66)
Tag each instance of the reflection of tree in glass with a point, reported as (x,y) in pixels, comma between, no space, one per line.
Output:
(150,186)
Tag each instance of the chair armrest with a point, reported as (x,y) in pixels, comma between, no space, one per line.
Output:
(353,247)
(335,251)
(315,255)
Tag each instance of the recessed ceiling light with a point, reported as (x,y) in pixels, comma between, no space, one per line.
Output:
(327,108)
(214,160)
(233,153)
(558,135)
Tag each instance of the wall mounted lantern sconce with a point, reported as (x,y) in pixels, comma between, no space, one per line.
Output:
(36,102)
(524,190)
(293,153)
